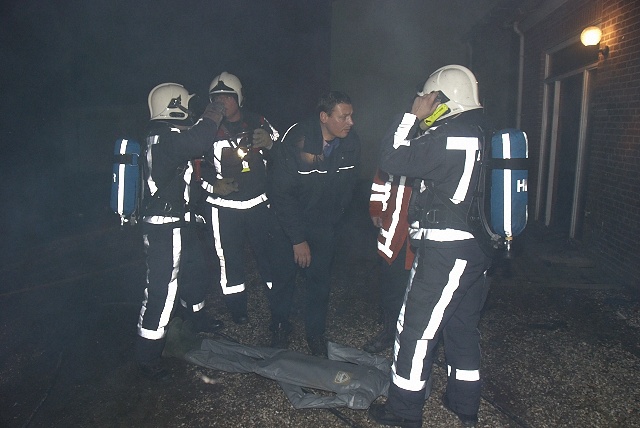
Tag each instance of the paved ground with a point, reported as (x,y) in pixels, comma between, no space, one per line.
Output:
(560,341)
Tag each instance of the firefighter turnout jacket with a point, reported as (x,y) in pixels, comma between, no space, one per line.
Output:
(166,167)
(234,157)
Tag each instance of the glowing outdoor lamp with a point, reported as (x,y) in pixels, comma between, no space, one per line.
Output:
(591,36)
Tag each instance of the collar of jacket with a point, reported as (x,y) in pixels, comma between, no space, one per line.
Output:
(313,139)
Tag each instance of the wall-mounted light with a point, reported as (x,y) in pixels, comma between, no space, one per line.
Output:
(591,36)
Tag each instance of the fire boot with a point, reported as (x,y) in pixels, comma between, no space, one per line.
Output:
(201,321)
(180,339)
(148,355)
(467,420)
(237,304)
(384,416)
(385,338)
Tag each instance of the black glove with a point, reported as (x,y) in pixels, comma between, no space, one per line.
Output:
(214,111)
(224,186)
(261,138)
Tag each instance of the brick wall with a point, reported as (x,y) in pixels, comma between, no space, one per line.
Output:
(612,204)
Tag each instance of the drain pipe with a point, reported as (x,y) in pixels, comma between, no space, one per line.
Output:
(520,75)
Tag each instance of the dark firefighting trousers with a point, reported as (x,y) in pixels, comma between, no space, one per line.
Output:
(197,270)
(446,293)
(393,283)
(231,229)
(321,240)
(163,246)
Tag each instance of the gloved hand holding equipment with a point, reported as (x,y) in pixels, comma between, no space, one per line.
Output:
(224,186)
(214,111)
(261,138)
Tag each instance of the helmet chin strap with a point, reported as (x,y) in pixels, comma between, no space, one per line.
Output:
(430,120)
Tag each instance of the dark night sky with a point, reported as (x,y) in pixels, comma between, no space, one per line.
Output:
(109,52)
(64,64)
(67,63)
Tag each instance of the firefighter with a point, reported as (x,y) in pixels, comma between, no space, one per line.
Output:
(311,184)
(448,284)
(240,152)
(172,140)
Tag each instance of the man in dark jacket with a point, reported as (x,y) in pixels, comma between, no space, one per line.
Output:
(448,284)
(171,143)
(310,185)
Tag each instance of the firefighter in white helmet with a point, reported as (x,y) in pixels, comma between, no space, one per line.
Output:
(172,141)
(240,152)
(448,283)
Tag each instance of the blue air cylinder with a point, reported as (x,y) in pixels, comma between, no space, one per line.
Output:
(509,174)
(125,185)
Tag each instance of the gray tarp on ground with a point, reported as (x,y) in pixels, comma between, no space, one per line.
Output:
(355,377)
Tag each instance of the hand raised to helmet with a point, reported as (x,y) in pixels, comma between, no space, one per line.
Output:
(424,105)
(261,138)
(215,111)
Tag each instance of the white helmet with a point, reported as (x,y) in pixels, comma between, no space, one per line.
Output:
(169,101)
(226,83)
(458,84)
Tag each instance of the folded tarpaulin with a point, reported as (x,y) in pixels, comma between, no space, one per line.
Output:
(355,377)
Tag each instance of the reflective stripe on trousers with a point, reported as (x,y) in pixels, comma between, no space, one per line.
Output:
(163,246)
(444,298)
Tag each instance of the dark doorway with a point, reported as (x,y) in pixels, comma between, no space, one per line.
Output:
(567,152)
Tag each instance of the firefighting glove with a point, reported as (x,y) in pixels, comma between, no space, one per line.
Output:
(261,138)
(214,111)
(224,186)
